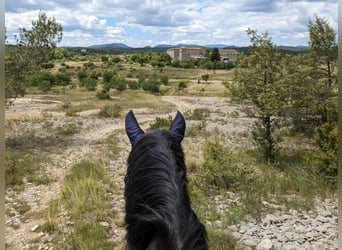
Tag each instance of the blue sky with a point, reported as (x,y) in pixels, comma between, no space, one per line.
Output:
(140,23)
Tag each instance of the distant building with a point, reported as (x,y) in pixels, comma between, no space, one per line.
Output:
(182,53)
(228,55)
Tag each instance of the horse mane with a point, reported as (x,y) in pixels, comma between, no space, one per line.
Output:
(158,212)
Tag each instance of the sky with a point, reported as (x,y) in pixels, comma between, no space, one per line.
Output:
(140,23)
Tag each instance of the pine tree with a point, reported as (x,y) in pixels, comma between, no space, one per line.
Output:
(259,79)
(215,55)
(34,47)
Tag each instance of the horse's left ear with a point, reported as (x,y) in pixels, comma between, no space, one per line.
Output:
(133,130)
(177,127)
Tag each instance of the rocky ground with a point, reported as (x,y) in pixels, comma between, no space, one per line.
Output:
(316,229)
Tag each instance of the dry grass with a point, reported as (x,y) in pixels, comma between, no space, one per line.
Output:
(211,89)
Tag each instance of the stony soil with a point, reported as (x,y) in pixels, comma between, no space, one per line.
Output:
(226,121)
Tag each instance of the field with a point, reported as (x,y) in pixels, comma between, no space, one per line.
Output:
(66,161)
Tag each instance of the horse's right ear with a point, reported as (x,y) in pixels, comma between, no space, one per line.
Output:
(177,127)
(133,130)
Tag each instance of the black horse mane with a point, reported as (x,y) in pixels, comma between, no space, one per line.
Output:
(158,212)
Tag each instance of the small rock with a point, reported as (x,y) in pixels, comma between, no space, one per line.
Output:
(265,244)
(104,223)
(34,228)
(217,224)
(250,242)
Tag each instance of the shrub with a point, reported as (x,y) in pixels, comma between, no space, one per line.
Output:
(198,114)
(62,79)
(107,76)
(48,65)
(112,111)
(121,86)
(19,165)
(132,84)
(151,85)
(89,83)
(116,59)
(89,65)
(103,95)
(164,79)
(221,167)
(182,85)
(104,58)
(81,75)
(326,158)
(43,80)
(163,123)
(94,74)
(67,129)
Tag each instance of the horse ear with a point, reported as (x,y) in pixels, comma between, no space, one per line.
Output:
(177,127)
(133,130)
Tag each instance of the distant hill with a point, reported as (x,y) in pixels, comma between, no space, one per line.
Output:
(118,48)
(220,46)
(110,45)
(167,46)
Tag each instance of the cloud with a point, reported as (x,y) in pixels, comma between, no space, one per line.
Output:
(264,6)
(136,22)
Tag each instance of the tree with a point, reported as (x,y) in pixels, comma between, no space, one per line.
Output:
(259,79)
(42,39)
(215,55)
(323,46)
(323,49)
(34,48)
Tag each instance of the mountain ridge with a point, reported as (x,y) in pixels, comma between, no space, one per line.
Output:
(166,46)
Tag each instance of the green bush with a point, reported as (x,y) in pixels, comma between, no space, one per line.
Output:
(326,157)
(116,59)
(19,165)
(103,95)
(121,86)
(43,80)
(95,74)
(107,76)
(67,129)
(151,85)
(132,84)
(198,114)
(182,85)
(62,79)
(163,123)
(164,79)
(112,111)
(81,75)
(89,83)
(89,65)
(221,168)
(48,65)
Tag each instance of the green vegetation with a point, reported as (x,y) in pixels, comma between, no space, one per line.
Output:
(112,111)
(67,129)
(31,54)
(242,173)
(162,123)
(300,90)
(20,167)
(85,197)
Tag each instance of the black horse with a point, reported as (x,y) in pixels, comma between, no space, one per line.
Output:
(158,212)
